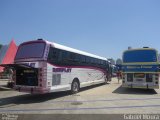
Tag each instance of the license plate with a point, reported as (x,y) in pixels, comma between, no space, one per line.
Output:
(139,75)
(139,80)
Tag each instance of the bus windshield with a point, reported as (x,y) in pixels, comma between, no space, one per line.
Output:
(30,50)
(140,56)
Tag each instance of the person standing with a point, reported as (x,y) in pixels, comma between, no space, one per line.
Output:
(118,75)
(10,82)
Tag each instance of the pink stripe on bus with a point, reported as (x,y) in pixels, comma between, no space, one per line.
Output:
(88,67)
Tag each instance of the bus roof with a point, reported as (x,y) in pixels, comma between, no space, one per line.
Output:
(75,50)
(140,62)
(139,49)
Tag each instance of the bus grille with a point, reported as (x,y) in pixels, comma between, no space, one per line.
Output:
(130,77)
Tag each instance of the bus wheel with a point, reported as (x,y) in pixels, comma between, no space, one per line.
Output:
(75,86)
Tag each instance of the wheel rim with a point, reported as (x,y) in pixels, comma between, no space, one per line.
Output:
(75,86)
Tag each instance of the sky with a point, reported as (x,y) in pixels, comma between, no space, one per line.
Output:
(102,27)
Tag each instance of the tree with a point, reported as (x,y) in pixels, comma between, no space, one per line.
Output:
(112,61)
(119,61)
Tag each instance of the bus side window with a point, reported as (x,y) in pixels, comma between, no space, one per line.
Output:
(104,63)
(88,60)
(72,57)
(82,59)
(99,61)
(92,60)
(60,56)
(77,58)
(50,54)
(96,62)
(53,55)
(65,56)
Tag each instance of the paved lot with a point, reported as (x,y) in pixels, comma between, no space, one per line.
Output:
(99,99)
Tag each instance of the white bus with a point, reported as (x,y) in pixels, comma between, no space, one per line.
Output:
(42,67)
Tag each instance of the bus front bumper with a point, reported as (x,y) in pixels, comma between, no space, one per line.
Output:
(140,86)
(32,90)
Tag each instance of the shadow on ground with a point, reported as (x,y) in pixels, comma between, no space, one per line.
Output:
(38,98)
(93,86)
(4,88)
(121,90)
(30,98)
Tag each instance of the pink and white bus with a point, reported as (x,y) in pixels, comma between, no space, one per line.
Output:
(42,67)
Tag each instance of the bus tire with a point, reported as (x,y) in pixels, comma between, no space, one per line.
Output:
(75,86)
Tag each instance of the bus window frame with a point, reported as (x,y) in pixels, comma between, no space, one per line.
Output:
(26,43)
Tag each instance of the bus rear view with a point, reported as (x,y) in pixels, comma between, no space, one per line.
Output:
(29,64)
(140,68)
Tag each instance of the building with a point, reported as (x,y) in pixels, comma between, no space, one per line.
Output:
(7,53)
